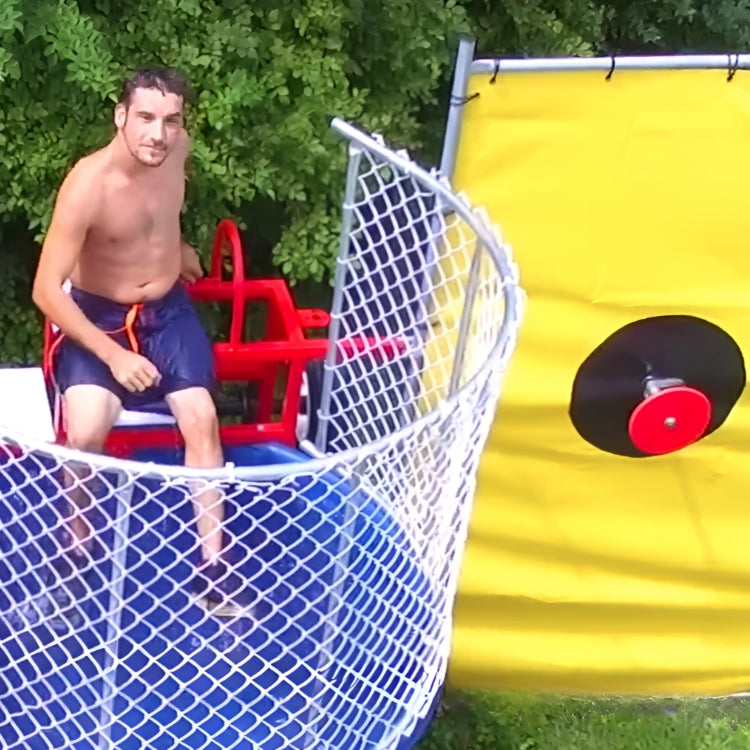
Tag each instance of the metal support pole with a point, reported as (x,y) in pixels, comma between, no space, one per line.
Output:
(472,286)
(121,523)
(324,415)
(455,111)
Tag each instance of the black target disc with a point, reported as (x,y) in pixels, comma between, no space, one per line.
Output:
(609,384)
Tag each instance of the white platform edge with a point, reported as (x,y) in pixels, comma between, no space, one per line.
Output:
(24,407)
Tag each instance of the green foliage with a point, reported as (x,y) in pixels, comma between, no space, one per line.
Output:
(269,76)
(509,721)
(542,28)
(20,329)
(719,26)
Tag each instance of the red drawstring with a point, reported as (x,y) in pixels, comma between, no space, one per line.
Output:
(131,317)
(129,327)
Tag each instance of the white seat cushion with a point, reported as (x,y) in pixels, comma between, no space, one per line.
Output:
(143,418)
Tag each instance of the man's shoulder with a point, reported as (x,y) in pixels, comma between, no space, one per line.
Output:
(84,178)
(91,165)
(81,189)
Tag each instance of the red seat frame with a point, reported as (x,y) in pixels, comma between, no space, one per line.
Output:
(285,346)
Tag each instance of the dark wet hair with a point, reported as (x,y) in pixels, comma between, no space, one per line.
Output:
(166,80)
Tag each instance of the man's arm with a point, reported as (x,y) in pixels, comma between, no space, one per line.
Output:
(190,263)
(60,251)
(71,220)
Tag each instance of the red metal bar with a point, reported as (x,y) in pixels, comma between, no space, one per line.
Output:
(283,346)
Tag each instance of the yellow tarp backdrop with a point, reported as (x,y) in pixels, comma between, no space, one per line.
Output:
(622,199)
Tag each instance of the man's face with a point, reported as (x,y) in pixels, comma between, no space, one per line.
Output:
(151,125)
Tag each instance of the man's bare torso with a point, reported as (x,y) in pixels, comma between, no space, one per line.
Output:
(132,248)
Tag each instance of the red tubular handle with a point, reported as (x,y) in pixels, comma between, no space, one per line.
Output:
(227,233)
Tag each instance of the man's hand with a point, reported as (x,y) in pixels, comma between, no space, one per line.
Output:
(133,371)
(190,267)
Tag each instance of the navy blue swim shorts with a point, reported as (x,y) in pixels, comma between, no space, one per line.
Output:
(168,333)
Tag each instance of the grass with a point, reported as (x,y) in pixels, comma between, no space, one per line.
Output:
(522,721)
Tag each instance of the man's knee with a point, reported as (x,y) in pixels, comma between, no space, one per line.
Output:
(90,412)
(89,438)
(91,442)
(199,421)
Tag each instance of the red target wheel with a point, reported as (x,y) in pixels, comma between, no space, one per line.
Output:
(669,420)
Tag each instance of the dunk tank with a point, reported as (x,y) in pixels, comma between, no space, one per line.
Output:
(351,443)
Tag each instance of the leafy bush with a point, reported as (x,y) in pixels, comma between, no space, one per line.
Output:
(544,28)
(268,77)
(20,329)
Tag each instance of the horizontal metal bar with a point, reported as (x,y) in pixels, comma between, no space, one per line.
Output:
(516,65)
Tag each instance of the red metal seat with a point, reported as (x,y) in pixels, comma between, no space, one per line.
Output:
(284,350)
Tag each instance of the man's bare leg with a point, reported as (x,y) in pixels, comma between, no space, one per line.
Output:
(217,585)
(194,410)
(90,412)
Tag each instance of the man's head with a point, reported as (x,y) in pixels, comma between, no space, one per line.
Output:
(149,115)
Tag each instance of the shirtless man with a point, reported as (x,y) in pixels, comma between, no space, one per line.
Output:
(130,332)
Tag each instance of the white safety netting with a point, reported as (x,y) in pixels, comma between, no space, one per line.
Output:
(349,561)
